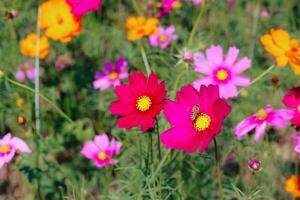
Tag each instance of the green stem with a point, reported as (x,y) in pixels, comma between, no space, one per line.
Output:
(36,78)
(42,96)
(259,77)
(195,25)
(220,189)
(136,7)
(158,140)
(146,63)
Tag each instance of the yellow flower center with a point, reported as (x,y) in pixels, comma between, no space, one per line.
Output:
(298,108)
(261,114)
(113,75)
(102,156)
(143,103)
(4,148)
(202,122)
(222,75)
(163,38)
(176,5)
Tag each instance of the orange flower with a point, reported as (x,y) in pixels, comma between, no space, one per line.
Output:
(285,50)
(28,46)
(57,20)
(139,27)
(292,185)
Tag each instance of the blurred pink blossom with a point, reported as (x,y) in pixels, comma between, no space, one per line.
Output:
(164,37)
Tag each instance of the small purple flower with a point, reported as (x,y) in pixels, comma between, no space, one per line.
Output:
(255,165)
(296,142)
(264,14)
(25,70)
(163,38)
(167,6)
(112,74)
(231,3)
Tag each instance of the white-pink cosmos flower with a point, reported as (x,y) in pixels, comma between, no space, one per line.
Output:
(101,150)
(260,120)
(224,72)
(10,146)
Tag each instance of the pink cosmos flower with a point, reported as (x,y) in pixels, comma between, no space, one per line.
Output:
(112,74)
(292,101)
(101,150)
(264,14)
(25,70)
(224,72)
(197,2)
(296,142)
(260,120)
(167,6)
(81,7)
(163,38)
(196,117)
(11,146)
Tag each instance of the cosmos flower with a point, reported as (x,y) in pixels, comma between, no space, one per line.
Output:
(25,70)
(167,6)
(196,118)
(284,49)
(196,2)
(292,185)
(296,142)
(139,27)
(81,7)
(139,101)
(101,150)
(28,46)
(58,22)
(112,75)
(10,147)
(255,165)
(224,72)
(292,101)
(260,120)
(163,37)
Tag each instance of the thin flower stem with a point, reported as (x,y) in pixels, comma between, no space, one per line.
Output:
(158,140)
(259,77)
(220,189)
(36,77)
(136,7)
(42,96)
(144,56)
(195,25)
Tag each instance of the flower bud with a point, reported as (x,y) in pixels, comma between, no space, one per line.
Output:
(255,165)
(1,74)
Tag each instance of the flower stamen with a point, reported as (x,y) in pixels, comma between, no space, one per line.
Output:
(102,156)
(143,103)
(4,149)
(202,122)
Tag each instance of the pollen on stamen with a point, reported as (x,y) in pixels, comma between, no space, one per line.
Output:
(202,122)
(143,103)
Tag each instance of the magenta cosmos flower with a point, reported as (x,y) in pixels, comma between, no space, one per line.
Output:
(260,120)
(112,74)
(296,142)
(224,72)
(81,7)
(196,118)
(167,6)
(292,100)
(11,146)
(163,38)
(101,150)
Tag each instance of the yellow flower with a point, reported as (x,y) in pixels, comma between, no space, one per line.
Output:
(285,50)
(28,46)
(139,27)
(58,22)
(292,186)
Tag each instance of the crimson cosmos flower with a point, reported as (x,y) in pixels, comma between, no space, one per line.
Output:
(139,101)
